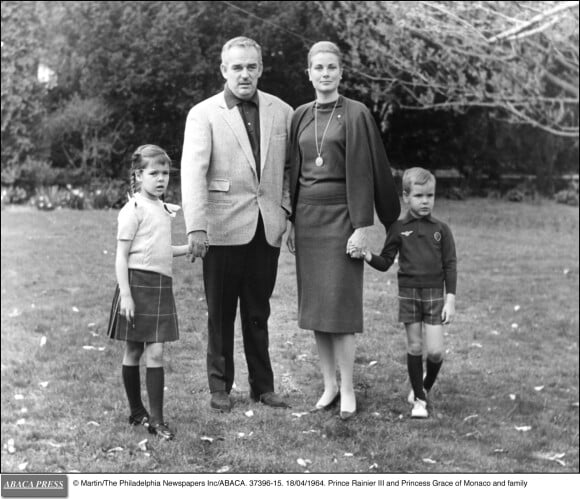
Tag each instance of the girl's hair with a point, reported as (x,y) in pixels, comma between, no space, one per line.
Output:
(418,176)
(240,41)
(143,157)
(324,46)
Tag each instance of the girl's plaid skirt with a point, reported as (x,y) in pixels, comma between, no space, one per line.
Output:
(155,313)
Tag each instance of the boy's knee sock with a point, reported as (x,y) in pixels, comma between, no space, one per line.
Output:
(132,382)
(432,372)
(415,367)
(155,381)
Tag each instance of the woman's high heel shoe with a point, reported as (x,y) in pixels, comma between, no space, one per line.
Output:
(330,405)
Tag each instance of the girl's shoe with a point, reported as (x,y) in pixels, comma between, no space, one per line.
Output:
(419,409)
(141,419)
(161,430)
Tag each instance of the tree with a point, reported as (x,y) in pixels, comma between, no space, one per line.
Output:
(518,59)
(22,94)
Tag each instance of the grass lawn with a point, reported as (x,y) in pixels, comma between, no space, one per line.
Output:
(506,400)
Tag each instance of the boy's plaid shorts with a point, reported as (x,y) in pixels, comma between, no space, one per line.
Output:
(421,305)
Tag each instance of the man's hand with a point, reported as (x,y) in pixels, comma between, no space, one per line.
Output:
(291,239)
(198,244)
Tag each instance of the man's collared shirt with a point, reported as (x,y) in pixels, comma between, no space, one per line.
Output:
(249,110)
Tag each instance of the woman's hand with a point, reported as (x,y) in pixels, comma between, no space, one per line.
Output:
(357,242)
(291,240)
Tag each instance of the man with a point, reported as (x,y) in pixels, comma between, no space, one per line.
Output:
(236,203)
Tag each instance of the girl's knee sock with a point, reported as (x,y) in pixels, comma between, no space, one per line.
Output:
(155,381)
(415,367)
(432,372)
(132,382)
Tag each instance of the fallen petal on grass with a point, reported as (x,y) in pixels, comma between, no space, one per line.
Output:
(373,363)
(24,410)
(428,460)
(14,313)
(22,466)
(206,439)
(241,435)
(18,396)
(472,416)
(515,325)
(539,388)
(113,450)
(516,308)
(477,345)
(249,413)
(143,445)
(223,469)
(376,414)
(75,309)
(495,333)
(43,384)
(9,446)
(551,456)
(499,451)
(373,466)
(43,341)
(93,423)
(55,445)
(89,347)
(301,462)
(348,454)
(523,428)
(21,421)
(512,396)
(299,414)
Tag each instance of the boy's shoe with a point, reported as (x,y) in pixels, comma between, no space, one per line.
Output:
(419,409)
(140,420)
(411,397)
(162,431)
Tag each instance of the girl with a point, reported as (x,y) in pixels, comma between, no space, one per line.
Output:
(143,312)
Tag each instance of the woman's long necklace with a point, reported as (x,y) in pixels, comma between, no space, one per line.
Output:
(319,161)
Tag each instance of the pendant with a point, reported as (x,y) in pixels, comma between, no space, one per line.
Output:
(319,161)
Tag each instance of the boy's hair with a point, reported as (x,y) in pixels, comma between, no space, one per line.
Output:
(240,41)
(324,46)
(141,158)
(418,176)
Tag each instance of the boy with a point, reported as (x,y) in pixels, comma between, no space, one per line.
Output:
(427,279)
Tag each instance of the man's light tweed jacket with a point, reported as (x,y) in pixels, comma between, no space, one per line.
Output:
(219,185)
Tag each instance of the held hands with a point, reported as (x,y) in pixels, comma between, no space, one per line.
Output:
(448,309)
(356,246)
(198,244)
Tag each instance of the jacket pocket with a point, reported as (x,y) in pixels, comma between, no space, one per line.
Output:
(219,185)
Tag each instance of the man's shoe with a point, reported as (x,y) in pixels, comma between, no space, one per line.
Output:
(270,398)
(220,401)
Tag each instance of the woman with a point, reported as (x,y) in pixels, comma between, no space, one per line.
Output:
(339,175)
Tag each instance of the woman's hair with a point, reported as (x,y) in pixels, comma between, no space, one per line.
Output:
(141,159)
(241,41)
(324,46)
(418,176)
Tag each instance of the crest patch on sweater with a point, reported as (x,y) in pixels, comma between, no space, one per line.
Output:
(407,233)
(437,236)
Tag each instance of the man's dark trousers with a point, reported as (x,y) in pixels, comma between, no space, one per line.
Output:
(248,273)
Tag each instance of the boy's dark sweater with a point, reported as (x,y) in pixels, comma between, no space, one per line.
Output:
(426,250)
